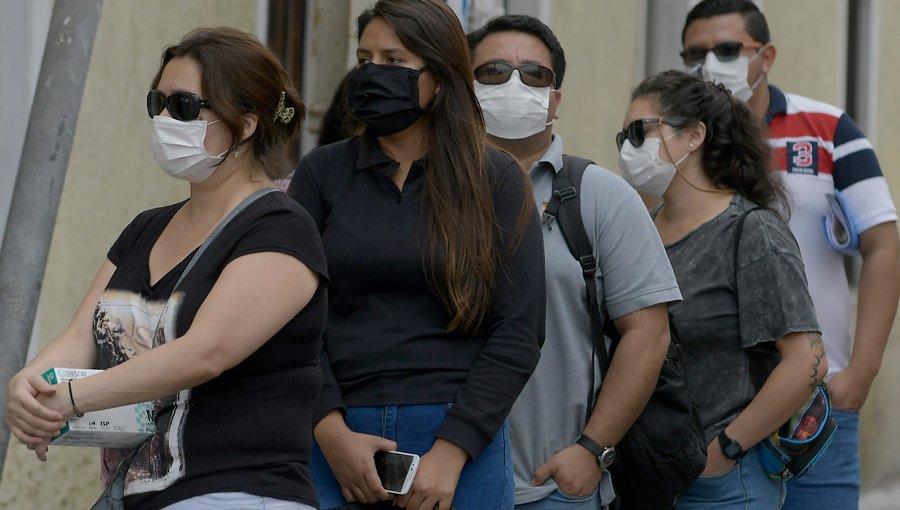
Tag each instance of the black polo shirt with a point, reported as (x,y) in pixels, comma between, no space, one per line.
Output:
(386,337)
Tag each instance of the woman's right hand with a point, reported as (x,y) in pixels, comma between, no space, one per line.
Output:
(717,463)
(351,457)
(31,422)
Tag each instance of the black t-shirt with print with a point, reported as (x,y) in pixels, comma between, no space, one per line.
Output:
(249,429)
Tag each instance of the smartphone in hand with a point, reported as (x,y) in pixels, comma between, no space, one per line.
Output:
(396,470)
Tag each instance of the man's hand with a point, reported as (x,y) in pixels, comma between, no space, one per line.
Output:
(351,456)
(574,469)
(436,479)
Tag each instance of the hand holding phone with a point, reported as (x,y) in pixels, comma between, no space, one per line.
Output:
(396,470)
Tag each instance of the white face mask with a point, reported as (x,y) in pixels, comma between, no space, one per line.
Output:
(513,110)
(733,75)
(644,170)
(179,149)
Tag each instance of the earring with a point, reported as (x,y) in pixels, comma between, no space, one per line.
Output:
(237,154)
(691,146)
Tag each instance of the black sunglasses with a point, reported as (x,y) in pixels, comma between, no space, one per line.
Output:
(634,132)
(183,106)
(724,52)
(496,73)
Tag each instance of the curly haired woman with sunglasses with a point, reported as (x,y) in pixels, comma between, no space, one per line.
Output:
(436,298)
(223,345)
(750,341)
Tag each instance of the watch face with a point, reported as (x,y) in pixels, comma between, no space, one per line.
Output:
(607,457)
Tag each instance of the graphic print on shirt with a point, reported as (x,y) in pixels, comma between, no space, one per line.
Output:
(126,325)
(803,157)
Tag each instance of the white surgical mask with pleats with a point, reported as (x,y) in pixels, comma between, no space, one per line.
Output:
(734,75)
(513,110)
(179,149)
(644,170)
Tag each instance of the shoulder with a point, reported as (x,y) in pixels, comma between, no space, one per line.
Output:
(276,222)
(802,105)
(330,160)
(607,193)
(503,169)
(763,233)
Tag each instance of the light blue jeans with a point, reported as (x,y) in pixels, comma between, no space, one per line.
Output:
(236,501)
(560,500)
(745,487)
(486,483)
(833,483)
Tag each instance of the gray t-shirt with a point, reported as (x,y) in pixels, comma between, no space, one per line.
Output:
(720,319)
(633,273)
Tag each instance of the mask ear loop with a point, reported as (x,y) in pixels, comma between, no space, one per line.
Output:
(679,172)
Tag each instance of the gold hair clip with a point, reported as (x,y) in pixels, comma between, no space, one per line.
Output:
(285,114)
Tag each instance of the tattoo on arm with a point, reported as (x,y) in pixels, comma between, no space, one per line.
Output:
(815,343)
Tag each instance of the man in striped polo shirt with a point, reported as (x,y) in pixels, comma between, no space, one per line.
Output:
(819,150)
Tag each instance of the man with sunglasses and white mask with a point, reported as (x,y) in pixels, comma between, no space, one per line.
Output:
(559,454)
(819,151)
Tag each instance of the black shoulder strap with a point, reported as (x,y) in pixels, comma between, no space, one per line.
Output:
(759,358)
(565,207)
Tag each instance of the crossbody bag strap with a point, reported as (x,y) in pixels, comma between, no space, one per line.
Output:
(758,359)
(220,227)
(126,462)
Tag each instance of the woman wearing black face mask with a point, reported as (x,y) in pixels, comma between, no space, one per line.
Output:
(435,257)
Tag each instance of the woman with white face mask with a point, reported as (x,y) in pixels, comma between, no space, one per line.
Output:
(750,342)
(223,344)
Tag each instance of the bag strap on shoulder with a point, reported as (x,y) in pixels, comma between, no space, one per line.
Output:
(565,207)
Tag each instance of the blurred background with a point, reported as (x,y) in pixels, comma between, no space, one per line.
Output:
(837,51)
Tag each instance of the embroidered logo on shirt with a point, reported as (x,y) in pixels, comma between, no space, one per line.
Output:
(803,157)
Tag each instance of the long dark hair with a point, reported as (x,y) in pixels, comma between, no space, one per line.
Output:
(239,76)
(736,152)
(462,239)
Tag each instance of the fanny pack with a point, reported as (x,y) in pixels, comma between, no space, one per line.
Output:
(794,448)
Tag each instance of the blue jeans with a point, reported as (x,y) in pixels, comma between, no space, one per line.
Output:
(560,500)
(833,483)
(486,483)
(745,487)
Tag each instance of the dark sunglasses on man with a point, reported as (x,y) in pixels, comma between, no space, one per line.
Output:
(497,73)
(183,106)
(634,132)
(724,52)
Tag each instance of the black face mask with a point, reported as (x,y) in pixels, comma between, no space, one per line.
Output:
(385,97)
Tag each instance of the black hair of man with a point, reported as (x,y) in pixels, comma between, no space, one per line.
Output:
(528,25)
(754,20)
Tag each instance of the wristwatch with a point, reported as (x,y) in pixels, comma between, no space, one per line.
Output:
(606,455)
(731,448)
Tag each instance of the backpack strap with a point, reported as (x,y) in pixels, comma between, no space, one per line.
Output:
(565,207)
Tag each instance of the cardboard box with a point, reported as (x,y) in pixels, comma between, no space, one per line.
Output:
(119,427)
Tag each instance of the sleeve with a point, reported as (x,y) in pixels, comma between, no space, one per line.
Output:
(516,332)
(126,240)
(634,270)
(307,191)
(858,176)
(772,293)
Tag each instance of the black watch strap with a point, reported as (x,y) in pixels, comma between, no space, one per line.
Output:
(592,446)
(731,448)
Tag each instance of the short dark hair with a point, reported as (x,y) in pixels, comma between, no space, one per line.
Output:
(754,20)
(528,25)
